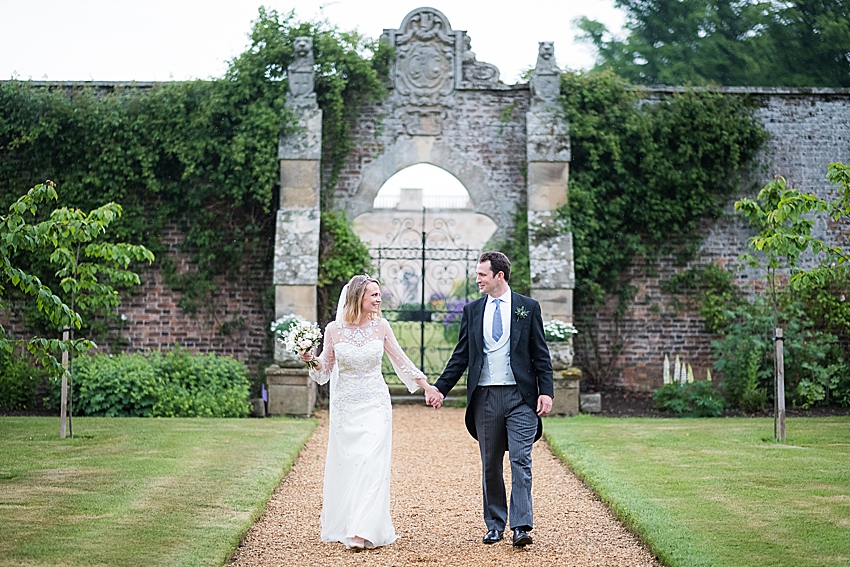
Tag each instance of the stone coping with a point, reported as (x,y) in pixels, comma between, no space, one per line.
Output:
(803,91)
(661,89)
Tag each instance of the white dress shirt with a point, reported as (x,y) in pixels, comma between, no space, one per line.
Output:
(497,354)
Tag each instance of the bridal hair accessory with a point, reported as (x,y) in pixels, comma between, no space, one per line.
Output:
(521,312)
(297,335)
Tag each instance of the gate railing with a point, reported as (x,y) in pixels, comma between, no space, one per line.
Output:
(426,280)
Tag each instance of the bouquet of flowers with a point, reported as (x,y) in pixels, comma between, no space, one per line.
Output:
(558,331)
(297,335)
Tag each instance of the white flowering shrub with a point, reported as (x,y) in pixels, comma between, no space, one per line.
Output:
(558,331)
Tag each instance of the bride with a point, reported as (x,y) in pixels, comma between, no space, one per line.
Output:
(356,498)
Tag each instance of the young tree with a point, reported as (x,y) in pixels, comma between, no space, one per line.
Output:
(88,271)
(785,220)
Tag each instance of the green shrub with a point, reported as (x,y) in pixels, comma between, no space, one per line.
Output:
(173,384)
(201,385)
(124,385)
(694,399)
(18,381)
(815,371)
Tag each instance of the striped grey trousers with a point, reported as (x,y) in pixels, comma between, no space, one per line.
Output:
(502,419)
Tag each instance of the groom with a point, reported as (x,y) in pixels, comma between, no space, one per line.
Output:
(509,386)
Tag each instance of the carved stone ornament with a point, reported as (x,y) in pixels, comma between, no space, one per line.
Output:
(476,73)
(424,70)
(423,121)
(431,62)
(301,73)
(546,78)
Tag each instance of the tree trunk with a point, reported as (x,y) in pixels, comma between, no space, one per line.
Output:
(779,389)
(63,407)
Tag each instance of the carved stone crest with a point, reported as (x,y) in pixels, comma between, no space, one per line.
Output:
(301,73)
(431,61)
(424,70)
(546,79)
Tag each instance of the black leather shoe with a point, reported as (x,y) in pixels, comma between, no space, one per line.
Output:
(492,537)
(521,538)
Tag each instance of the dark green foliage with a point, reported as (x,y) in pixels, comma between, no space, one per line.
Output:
(828,303)
(694,399)
(799,43)
(19,380)
(341,256)
(643,174)
(815,371)
(174,384)
(125,385)
(202,154)
(200,385)
(349,72)
(714,290)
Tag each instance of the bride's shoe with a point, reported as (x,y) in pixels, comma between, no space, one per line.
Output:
(358,542)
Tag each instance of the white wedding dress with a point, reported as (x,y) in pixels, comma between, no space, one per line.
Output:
(357,469)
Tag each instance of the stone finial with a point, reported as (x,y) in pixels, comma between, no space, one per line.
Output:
(300,71)
(546,78)
(476,73)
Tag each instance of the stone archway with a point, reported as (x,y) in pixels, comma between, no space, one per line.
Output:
(414,150)
(507,144)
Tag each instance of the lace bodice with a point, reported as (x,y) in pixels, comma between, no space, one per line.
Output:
(358,351)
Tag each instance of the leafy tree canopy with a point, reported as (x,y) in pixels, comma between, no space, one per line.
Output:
(795,43)
(200,153)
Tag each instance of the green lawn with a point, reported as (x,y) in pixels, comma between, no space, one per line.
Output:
(720,492)
(134,491)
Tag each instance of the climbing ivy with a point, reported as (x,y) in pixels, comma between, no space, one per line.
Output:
(201,153)
(644,173)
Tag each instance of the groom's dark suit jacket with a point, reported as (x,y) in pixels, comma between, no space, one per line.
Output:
(530,361)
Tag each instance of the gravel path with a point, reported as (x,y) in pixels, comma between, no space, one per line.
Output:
(436,508)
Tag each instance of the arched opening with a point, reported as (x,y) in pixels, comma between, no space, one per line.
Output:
(422,186)
(423,198)
(425,238)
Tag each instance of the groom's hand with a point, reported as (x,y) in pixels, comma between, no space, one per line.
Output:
(544,405)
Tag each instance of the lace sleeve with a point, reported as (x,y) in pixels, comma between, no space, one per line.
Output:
(327,359)
(404,368)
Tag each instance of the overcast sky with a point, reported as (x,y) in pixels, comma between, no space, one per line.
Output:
(160,40)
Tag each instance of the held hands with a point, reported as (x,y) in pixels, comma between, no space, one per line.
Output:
(433,397)
(544,405)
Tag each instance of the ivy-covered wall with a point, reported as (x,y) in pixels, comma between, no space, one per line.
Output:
(808,129)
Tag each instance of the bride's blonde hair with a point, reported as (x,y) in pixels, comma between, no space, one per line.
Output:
(353,308)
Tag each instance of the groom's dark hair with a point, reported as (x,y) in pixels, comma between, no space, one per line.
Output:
(498,263)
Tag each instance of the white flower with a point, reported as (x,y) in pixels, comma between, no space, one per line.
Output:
(297,335)
(558,331)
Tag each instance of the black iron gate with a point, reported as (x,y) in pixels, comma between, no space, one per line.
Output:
(427,278)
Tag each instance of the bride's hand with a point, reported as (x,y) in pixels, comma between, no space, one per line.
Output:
(307,356)
(433,397)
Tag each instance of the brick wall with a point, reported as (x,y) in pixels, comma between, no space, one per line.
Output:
(233,321)
(809,129)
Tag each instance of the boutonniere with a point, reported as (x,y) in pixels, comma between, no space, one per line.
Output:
(521,312)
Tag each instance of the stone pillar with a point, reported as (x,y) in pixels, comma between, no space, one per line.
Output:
(296,256)
(550,245)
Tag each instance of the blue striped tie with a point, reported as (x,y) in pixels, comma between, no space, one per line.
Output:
(497,321)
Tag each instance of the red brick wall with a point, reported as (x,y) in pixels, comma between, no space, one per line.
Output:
(234,319)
